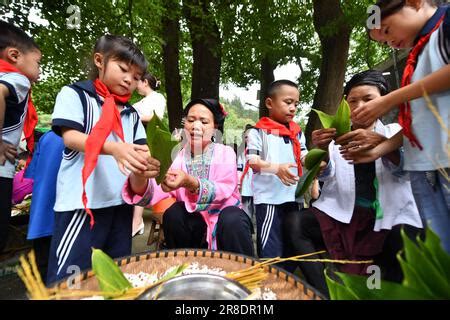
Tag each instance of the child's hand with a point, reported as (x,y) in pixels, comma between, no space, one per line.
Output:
(323,165)
(369,112)
(7,152)
(322,137)
(285,175)
(153,166)
(174,179)
(129,157)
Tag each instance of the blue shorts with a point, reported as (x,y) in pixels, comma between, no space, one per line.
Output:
(73,239)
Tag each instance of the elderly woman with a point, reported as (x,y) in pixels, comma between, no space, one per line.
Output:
(203,180)
(358,204)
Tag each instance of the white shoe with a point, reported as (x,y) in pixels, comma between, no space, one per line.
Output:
(139,231)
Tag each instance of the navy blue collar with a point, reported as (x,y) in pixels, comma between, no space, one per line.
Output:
(88,87)
(431,23)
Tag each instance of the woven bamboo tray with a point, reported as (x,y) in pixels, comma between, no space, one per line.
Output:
(285,285)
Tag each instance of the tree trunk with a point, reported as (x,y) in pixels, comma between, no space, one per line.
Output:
(171,53)
(206,47)
(267,77)
(335,46)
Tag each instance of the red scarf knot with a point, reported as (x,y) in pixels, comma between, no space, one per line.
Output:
(276,128)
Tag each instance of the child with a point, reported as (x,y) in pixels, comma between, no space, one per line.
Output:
(85,115)
(425,28)
(245,175)
(43,169)
(203,180)
(19,69)
(275,150)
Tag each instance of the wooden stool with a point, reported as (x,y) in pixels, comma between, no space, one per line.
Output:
(156,234)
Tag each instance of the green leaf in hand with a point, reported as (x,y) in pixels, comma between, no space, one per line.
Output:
(161,144)
(340,121)
(312,166)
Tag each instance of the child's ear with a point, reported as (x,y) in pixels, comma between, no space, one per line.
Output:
(12,54)
(269,102)
(98,60)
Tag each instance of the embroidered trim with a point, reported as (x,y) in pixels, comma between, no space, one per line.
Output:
(206,195)
(146,197)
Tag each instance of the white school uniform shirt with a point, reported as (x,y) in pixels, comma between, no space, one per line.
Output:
(267,187)
(155,101)
(337,199)
(104,185)
(15,112)
(431,134)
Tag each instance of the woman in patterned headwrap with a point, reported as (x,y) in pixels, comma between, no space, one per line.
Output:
(359,204)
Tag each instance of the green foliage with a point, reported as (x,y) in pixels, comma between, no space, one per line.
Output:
(340,121)
(426,270)
(311,170)
(110,278)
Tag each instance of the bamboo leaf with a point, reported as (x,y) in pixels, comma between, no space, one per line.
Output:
(326,119)
(388,290)
(306,179)
(175,272)
(342,119)
(433,247)
(338,291)
(161,144)
(313,157)
(109,276)
(426,274)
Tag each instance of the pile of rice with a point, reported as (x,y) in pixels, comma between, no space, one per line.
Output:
(145,279)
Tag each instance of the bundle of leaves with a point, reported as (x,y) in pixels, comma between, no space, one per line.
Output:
(426,270)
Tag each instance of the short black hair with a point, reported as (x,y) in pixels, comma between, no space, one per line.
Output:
(276,85)
(12,36)
(122,49)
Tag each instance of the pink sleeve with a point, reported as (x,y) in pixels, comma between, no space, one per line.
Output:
(152,195)
(217,190)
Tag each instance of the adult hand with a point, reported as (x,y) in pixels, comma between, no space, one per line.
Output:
(360,139)
(355,156)
(7,152)
(285,175)
(174,179)
(322,137)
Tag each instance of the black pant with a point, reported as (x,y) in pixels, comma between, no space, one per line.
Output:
(303,235)
(387,259)
(6,186)
(188,230)
(41,248)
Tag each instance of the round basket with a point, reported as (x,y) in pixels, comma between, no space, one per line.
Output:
(285,285)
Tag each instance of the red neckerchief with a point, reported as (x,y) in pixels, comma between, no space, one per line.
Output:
(31,118)
(405,116)
(276,128)
(109,121)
